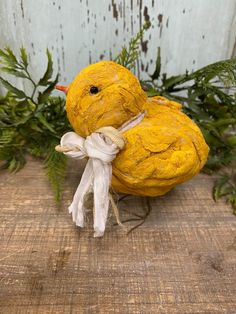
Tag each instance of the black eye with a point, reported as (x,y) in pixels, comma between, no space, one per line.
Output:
(94,90)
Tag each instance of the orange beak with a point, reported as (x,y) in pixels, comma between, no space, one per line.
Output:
(62,88)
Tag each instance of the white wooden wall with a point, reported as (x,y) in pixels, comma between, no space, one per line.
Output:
(191,33)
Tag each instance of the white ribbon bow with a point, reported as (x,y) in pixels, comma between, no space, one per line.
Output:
(101,150)
(97,175)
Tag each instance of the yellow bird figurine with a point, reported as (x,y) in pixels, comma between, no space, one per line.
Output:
(164,149)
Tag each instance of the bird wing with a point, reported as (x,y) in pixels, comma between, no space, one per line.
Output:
(160,152)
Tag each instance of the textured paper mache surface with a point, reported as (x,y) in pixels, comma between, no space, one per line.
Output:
(166,148)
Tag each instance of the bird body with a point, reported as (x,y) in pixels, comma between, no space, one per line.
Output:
(165,149)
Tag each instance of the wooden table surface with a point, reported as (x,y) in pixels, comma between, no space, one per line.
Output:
(181,260)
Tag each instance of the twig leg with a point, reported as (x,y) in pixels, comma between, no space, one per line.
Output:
(141,218)
(116,211)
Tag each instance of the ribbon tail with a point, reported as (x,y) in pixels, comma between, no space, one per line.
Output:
(102,179)
(77,207)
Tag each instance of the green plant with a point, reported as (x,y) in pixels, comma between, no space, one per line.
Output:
(226,187)
(32,123)
(129,55)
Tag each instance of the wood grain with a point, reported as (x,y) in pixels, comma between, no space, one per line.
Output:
(181,260)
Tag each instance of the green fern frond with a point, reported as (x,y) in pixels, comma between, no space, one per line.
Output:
(13,157)
(55,165)
(130,54)
(6,136)
(224,71)
(30,124)
(225,186)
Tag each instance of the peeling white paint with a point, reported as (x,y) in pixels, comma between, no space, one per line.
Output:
(190,33)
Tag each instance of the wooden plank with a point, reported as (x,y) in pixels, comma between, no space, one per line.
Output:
(181,260)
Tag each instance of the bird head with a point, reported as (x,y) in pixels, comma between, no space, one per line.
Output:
(102,94)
